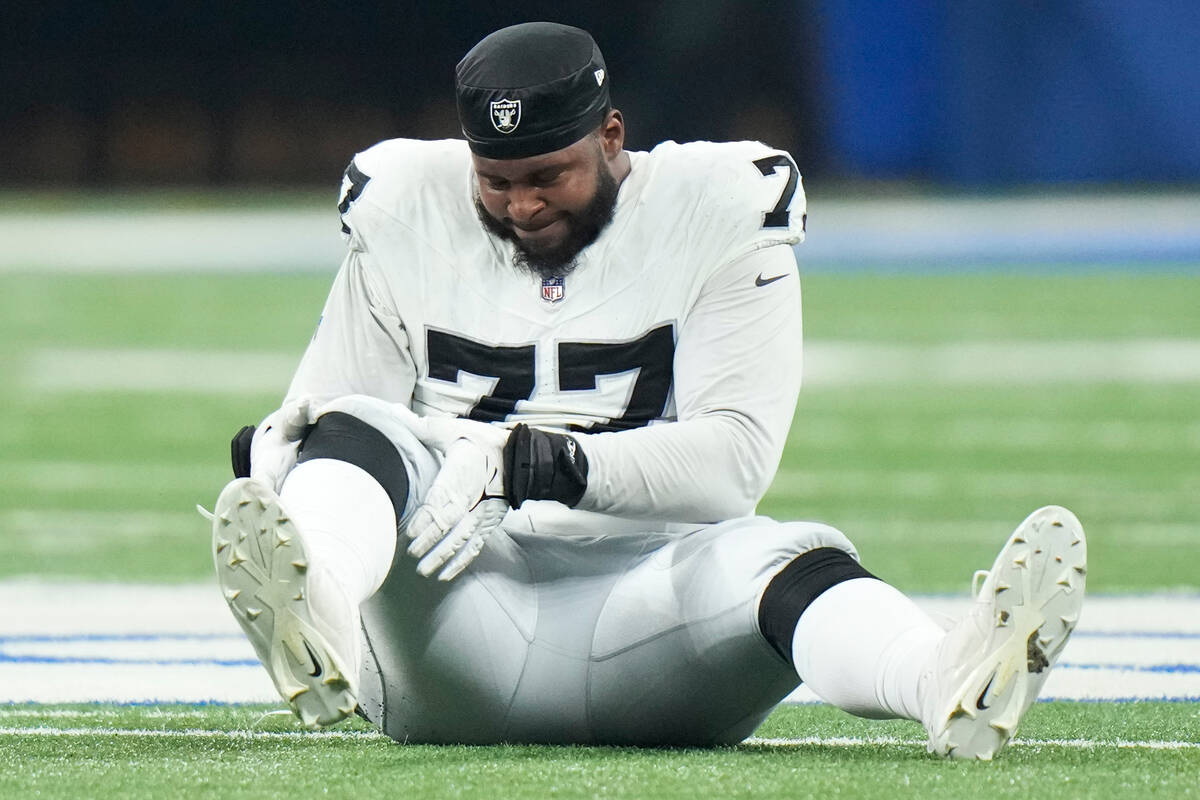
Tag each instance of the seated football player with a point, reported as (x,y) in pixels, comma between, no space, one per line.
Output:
(510,495)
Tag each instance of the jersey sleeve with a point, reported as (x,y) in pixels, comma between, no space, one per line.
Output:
(360,345)
(737,377)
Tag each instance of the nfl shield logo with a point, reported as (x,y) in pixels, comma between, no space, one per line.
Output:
(506,115)
(553,289)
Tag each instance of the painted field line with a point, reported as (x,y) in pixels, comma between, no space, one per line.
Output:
(819,741)
(191,733)
(828,364)
(1074,744)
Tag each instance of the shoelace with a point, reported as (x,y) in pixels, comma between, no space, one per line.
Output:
(977,582)
(263,718)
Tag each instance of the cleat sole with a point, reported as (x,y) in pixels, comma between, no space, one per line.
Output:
(1031,621)
(267,590)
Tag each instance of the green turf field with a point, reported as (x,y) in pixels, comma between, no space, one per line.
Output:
(926,477)
(229,753)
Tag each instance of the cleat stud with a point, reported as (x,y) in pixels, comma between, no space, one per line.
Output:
(299,595)
(301,566)
(347,710)
(299,691)
(1002,619)
(282,520)
(1021,561)
(1044,640)
(241,536)
(1018,539)
(1076,540)
(224,520)
(1002,587)
(232,594)
(222,544)
(281,540)
(1081,570)
(236,558)
(1058,559)
(253,613)
(1056,524)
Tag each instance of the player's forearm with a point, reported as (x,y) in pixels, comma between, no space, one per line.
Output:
(702,470)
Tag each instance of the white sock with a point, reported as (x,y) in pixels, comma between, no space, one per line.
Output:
(862,645)
(348,523)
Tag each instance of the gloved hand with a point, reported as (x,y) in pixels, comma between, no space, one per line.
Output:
(276,443)
(465,504)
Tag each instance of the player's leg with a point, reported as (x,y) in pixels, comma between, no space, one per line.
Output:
(863,646)
(295,567)
(677,655)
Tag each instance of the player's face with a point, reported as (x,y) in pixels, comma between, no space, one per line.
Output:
(550,206)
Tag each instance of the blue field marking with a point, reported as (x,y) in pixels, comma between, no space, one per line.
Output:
(75,638)
(1136,634)
(1165,668)
(5,658)
(59,638)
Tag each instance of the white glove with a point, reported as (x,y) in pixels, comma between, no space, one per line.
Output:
(465,503)
(276,443)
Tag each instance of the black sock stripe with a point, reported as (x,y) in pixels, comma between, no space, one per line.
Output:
(792,591)
(347,438)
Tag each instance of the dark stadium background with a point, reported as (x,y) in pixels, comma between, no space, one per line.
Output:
(943,93)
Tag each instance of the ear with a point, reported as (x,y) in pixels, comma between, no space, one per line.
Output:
(612,134)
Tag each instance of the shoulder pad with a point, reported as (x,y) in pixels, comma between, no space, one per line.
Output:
(750,195)
(389,178)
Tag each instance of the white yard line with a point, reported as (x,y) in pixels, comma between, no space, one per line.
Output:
(828,364)
(193,733)
(946,231)
(100,642)
(818,741)
(1075,744)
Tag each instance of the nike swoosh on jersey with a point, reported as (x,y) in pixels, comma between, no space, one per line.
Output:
(761,281)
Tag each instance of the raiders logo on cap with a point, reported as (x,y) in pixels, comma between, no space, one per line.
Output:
(506,115)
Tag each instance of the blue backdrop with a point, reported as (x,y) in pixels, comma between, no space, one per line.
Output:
(1003,91)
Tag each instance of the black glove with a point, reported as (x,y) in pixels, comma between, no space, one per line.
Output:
(239,451)
(543,466)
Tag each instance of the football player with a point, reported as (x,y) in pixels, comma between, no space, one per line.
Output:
(510,494)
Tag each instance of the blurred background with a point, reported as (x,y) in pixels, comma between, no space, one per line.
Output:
(951,94)
(1001,294)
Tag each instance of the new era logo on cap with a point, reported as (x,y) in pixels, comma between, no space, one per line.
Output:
(599,77)
(506,115)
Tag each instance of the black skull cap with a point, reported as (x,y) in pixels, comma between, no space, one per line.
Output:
(531,89)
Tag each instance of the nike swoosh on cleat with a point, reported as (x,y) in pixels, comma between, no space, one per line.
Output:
(761,281)
(316,673)
(979,701)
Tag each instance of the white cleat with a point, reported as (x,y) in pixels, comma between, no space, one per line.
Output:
(301,625)
(991,665)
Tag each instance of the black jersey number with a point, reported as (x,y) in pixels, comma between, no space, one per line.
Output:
(778,216)
(511,368)
(358,181)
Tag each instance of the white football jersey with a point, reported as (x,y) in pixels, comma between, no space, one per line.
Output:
(685,308)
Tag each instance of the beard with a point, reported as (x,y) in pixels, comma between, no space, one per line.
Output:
(583,228)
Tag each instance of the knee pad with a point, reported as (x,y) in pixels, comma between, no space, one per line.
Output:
(344,437)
